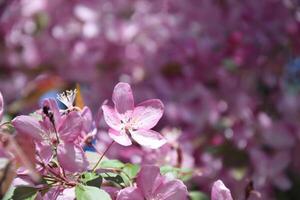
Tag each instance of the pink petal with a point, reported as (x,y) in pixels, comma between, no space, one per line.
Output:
(120,137)
(44,151)
(71,157)
(1,106)
(67,194)
(130,193)
(220,191)
(87,117)
(70,127)
(123,98)
(51,194)
(172,190)
(148,138)
(28,125)
(112,191)
(111,117)
(148,180)
(147,114)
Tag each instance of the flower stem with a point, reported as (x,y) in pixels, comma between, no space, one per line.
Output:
(106,150)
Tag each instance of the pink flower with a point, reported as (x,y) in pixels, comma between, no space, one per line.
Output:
(68,129)
(151,185)
(126,120)
(220,192)
(270,169)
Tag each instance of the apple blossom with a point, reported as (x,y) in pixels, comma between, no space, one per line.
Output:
(215,80)
(55,132)
(151,185)
(126,120)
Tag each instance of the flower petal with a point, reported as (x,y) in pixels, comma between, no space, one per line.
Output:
(44,151)
(172,190)
(112,191)
(130,193)
(111,117)
(71,157)
(148,138)
(67,194)
(148,180)
(220,191)
(52,193)
(120,137)
(70,127)
(123,98)
(28,125)
(147,114)
(87,117)
(1,106)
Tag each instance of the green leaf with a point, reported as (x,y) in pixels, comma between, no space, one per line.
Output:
(185,174)
(41,21)
(196,195)
(181,173)
(91,179)
(126,180)
(111,164)
(112,177)
(84,192)
(24,193)
(131,170)
(167,169)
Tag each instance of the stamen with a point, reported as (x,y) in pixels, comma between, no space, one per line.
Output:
(67,98)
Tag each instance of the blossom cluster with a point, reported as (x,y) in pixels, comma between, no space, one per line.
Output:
(65,171)
(227,72)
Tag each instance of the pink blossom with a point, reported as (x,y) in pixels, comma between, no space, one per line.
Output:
(62,134)
(126,120)
(151,185)
(220,192)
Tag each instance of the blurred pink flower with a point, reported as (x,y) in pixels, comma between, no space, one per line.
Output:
(126,120)
(151,185)
(270,169)
(220,192)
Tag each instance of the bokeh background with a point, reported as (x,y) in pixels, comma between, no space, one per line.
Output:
(228,72)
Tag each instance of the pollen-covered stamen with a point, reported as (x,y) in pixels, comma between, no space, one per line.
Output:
(127,128)
(126,125)
(67,98)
